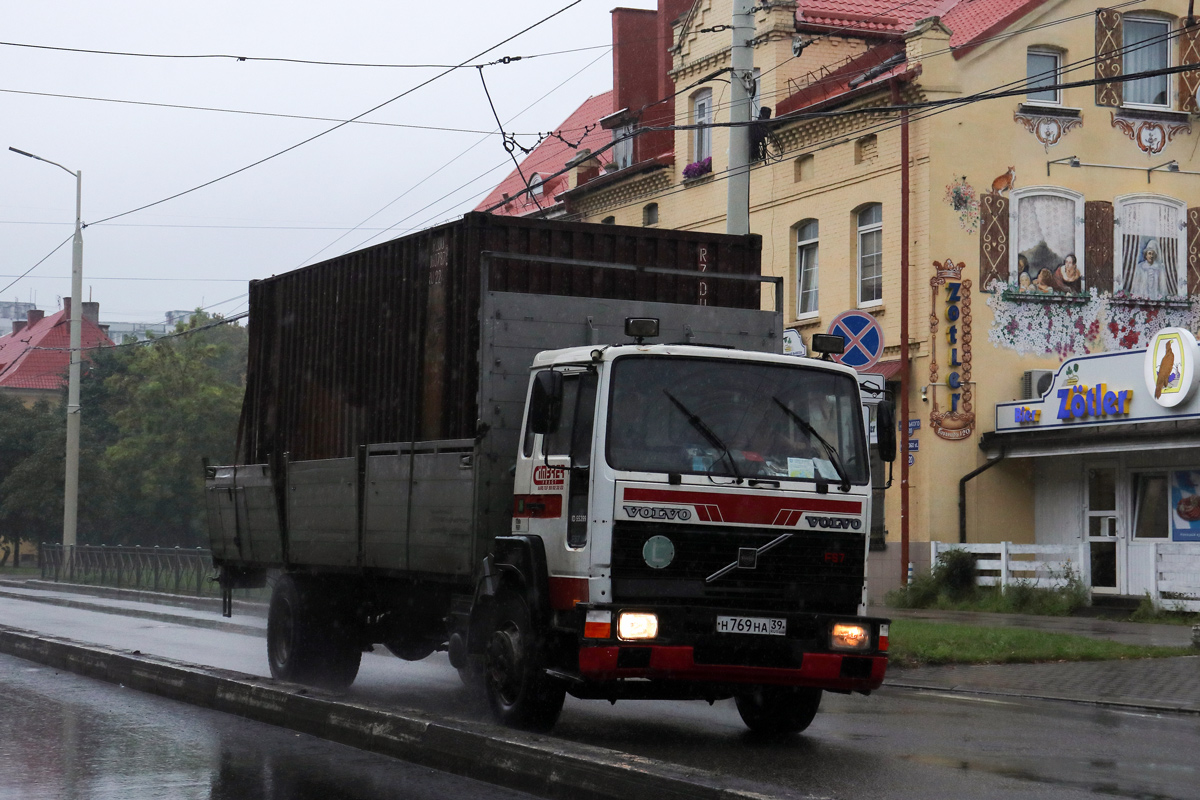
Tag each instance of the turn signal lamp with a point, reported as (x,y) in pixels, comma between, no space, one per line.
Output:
(883,638)
(637,625)
(598,625)
(849,636)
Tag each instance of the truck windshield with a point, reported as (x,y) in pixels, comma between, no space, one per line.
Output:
(747,419)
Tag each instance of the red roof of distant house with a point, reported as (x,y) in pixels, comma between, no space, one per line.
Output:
(967,19)
(551,156)
(37,357)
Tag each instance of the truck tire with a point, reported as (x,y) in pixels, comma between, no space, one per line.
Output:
(778,710)
(305,642)
(518,690)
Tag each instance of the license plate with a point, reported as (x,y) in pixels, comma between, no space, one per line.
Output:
(770,626)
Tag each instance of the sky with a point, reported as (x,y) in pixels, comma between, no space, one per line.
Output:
(326,197)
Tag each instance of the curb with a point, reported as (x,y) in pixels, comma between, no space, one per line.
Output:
(248,607)
(1125,705)
(218,624)
(540,765)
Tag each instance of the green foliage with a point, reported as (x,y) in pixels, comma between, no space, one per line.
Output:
(951,587)
(917,643)
(1172,613)
(152,414)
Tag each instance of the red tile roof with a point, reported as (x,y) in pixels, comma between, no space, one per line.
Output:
(967,19)
(551,156)
(37,357)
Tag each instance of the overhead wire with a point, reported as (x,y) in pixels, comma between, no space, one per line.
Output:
(340,125)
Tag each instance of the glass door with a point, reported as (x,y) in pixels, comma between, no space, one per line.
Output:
(1101,531)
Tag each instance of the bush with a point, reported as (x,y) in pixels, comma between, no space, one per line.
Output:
(951,586)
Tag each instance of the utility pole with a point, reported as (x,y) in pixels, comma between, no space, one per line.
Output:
(737,215)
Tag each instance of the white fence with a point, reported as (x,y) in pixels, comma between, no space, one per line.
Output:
(1176,583)
(1047,566)
(1177,576)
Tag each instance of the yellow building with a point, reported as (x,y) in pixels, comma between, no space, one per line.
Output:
(1049,212)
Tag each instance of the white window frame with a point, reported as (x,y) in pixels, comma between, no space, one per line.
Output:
(1058,61)
(623,146)
(805,248)
(1014,236)
(1119,203)
(1169,41)
(702,115)
(535,185)
(864,230)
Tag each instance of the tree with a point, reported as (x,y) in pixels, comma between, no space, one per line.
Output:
(32,446)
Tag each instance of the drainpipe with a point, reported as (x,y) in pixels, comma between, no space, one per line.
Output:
(962,495)
(904,365)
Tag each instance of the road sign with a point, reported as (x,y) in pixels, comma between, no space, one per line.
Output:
(911,459)
(863,336)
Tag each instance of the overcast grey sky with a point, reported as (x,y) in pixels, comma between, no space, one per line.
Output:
(202,248)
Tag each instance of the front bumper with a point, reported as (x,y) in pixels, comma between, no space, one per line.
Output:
(689,648)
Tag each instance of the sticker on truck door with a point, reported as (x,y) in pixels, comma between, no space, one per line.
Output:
(552,478)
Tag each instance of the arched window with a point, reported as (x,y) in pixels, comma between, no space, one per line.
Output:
(609,221)
(535,184)
(806,268)
(866,148)
(1046,249)
(870,254)
(1150,247)
(650,214)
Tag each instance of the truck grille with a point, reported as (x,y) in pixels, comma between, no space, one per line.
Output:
(816,571)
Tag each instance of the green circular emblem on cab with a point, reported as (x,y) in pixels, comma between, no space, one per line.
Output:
(658,552)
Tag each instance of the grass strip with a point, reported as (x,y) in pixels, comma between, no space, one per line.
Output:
(916,643)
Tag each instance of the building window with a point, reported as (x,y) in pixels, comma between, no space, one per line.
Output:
(1150,507)
(535,185)
(1046,254)
(702,115)
(1151,237)
(870,254)
(1041,70)
(609,221)
(865,149)
(806,268)
(805,168)
(623,146)
(650,214)
(1146,47)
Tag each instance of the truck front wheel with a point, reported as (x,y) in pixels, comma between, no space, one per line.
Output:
(778,709)
(520,693)
(306,641)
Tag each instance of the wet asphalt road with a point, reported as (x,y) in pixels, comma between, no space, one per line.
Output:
(894,744)
(63,737)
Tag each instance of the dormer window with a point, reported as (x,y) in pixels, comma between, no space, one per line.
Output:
(623,146)
(535,185)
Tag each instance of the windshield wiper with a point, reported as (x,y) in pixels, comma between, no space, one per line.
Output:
(707,433)
(834,458)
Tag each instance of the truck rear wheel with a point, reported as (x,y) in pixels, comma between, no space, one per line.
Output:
(519,692)
(778,709)
(307,642)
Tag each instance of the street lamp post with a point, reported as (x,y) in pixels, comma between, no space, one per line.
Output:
(71,488)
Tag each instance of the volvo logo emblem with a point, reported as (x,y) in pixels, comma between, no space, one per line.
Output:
(650,512)
(839,523)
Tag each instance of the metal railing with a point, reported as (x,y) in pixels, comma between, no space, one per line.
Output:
(158,569)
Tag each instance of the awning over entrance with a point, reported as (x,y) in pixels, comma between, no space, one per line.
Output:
(1171,435)
(888,369)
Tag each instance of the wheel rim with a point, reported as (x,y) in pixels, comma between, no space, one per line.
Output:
(505,662)
(281,642)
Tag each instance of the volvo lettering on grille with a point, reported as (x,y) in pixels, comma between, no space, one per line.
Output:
(837,523)
(652,512)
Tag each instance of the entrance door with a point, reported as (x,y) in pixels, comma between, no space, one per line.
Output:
(1101,532)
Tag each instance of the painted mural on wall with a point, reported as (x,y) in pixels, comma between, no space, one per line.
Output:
(1046,245)
(1047,128)
(951,300)
(961,197)
(1149,246)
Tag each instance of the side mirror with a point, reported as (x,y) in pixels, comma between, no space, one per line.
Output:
(545,402)
(885,429)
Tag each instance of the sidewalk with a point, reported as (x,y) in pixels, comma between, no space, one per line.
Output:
(1157,684)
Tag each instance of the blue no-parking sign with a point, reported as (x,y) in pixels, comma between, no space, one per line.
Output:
(863,337)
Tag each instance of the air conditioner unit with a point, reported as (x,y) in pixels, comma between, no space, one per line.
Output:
(1035,383)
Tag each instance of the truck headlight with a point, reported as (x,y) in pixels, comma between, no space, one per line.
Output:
(849,636)
(637,625)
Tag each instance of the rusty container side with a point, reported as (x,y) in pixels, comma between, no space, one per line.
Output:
(382,344)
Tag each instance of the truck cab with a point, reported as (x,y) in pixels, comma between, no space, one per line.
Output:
(704,517)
